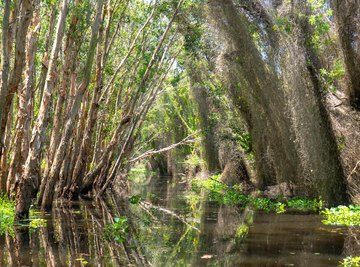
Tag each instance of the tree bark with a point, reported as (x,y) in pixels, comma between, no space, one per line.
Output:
(22,132)
(4,79)
(348,28)
(30,180)
(19,62)
(70,122)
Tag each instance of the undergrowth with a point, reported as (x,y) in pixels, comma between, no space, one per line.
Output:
(7,215)
(342,215)
(351,261)
(117,230)
(233,196)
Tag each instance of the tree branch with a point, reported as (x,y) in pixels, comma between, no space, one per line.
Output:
(150,153)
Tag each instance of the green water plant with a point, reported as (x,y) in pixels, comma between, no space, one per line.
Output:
(233,196)
(241,232)
(135,199)
(280,208)
(7,215)
(342,215)
(38,223)
(351,261)
(305,204)
(117,230)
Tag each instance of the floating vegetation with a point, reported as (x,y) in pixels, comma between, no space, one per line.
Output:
(342,215)
(351,261)
(233,196)
(305,204)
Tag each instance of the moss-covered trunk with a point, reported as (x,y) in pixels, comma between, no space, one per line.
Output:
(281,103)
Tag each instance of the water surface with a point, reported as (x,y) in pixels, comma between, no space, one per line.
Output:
(175,227)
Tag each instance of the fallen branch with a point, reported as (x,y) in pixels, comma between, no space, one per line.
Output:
(150,153)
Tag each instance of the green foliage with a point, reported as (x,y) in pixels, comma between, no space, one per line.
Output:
(82,261)
(233,196)
(241,233)
(38,223)
(280,208)
(331,76)
(7,215)
(139,173)
(118,230)
(136,199)
(282,24)
(220,192)
(320,20)
(342,215)
(351,261)
(305,204)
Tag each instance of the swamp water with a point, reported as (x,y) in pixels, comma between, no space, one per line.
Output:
(175,228)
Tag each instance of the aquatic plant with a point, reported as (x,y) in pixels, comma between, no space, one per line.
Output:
(233,196)
(280,208)
(38,223)
(351,261)
(136,199)
(241,232)
(118,230)
(305,204)
(7,214)
(342,215)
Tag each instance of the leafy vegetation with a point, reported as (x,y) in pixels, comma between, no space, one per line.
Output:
(118,230)
(38,223)
(233,196)
(342,215)
(136,199)
(351,261)
(241,232)
(331,76)
(7,214)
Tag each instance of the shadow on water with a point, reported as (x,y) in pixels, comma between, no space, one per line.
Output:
(174,227)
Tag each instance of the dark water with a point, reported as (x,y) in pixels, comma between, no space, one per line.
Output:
(175,228)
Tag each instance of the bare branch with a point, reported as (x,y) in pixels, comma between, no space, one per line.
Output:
(150,153)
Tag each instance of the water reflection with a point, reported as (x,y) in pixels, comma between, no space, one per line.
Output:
(174,228)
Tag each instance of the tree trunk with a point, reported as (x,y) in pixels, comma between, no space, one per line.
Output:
(4,80)
(22,132)
(19,62)
(70,122)
(30,180)
(293,141)
(347,12)
(85,148)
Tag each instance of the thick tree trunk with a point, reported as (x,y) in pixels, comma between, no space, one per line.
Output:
(347,12)
(30,180)
(292,139)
